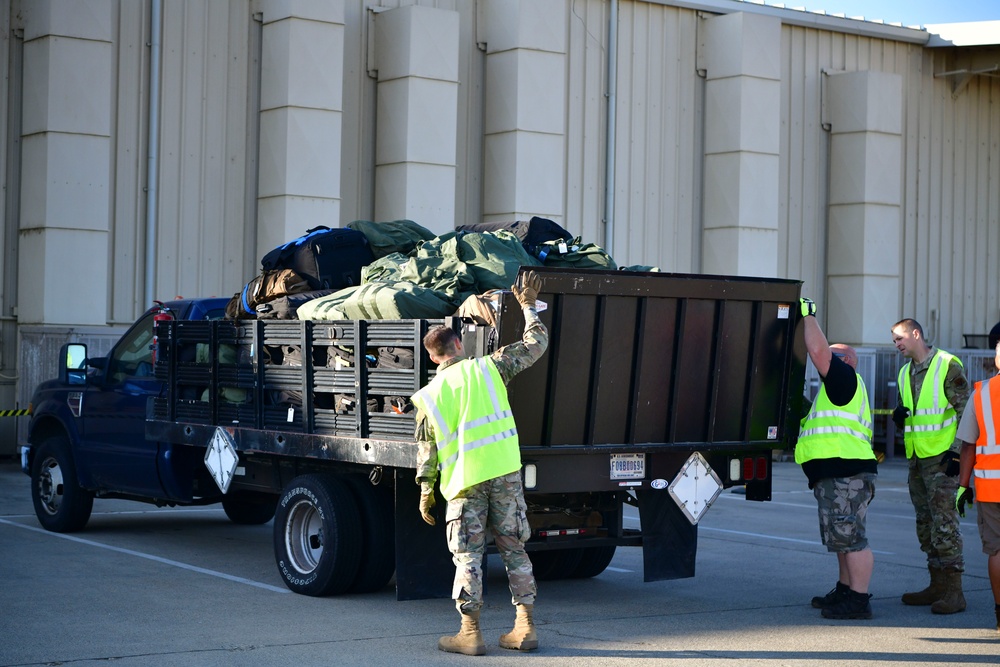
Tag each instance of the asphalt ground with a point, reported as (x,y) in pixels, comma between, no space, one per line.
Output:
(148,587)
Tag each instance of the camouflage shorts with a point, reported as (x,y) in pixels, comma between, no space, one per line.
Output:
(843,507)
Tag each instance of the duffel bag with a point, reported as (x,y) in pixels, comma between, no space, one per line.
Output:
(326,258)
(286,307)
(268,286)
(395,357)
(531,233)
(575,255)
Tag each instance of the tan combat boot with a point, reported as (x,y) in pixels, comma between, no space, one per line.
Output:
(929,595)
(468,641)
(523,637)
(952,600)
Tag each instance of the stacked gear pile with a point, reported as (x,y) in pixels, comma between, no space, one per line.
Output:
(415,274)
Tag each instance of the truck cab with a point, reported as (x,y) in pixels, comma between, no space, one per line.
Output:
(86,437)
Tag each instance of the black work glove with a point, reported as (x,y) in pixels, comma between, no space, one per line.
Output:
(963,498)
(951,460)
(899,416)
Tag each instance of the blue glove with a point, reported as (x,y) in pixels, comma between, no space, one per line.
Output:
(807,306)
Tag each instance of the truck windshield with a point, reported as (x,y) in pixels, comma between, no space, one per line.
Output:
(133,356)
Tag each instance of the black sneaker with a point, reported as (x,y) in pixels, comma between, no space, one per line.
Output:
(852,605)
(836,594)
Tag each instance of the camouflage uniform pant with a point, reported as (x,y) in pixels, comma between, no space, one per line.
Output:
(933,496)
(496,505)
(843,511)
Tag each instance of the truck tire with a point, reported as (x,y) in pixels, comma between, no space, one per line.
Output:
(593,561)
(317,535)
(378,535)
(250,509)
(61,505)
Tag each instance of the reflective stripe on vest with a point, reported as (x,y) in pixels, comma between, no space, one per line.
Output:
(933,422)
(473,424)
(836,432)
(987,467)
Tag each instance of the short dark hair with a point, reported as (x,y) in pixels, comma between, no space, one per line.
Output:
(910,325)
(440,341)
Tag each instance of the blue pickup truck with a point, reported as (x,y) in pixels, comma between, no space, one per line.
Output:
(86,438)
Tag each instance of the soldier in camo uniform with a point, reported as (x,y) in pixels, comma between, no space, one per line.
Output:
(933,392)
(467,439)
(835,450)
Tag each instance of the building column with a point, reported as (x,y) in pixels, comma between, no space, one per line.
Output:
(416,54)
(865,111)
(742,123)
(66,188)
(301,108)
(525,124)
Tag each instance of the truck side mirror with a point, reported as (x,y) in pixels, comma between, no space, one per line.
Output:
(73,363)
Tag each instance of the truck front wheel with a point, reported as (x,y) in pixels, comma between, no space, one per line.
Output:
(317,536)
(61,505)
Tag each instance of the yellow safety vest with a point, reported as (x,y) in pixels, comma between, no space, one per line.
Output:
(836,431)
(473,424)
(933,422)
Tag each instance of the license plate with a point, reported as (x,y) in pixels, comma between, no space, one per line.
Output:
(628,466)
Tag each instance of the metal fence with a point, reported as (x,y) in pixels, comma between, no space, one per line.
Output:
(879,368)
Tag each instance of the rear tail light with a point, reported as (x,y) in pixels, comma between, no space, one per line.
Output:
(557,532)
(748,468)
(761,468)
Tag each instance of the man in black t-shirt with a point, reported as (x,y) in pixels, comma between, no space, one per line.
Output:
(835,451)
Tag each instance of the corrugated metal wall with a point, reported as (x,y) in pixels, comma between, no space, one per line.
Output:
(358,132)
(206,152)
(950,246)
(658,138)
(951,256)
(951,239)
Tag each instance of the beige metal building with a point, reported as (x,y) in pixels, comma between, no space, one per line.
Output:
(156,148)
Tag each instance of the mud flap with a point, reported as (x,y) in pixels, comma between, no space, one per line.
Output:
(669,541)
(424,568)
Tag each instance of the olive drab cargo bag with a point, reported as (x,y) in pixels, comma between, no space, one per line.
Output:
(326,258)
(532,233)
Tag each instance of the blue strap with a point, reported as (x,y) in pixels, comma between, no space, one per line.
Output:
(243,298)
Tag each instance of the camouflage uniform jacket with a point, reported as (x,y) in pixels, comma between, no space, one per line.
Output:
(956,387)
(510,360)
